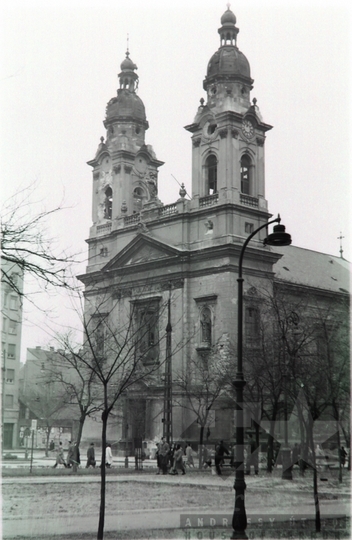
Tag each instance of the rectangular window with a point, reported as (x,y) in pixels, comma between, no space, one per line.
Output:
(8,401)
(11,351)
(249,228)
(12,327)
(10,376)
(252,327)
(13,302)
(147,335)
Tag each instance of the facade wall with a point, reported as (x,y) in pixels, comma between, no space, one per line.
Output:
(10,357)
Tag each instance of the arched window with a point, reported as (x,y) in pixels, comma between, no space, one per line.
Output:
(211,174)
(246,173)
(108,203)
(205,322)
(138,198)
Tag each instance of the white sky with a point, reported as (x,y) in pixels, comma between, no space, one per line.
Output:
(59,66)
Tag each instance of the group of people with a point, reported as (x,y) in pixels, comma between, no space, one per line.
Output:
(73,459)
(173,459)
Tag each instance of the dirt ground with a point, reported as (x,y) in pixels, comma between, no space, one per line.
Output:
(82,499)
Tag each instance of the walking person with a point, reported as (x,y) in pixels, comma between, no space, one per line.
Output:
(91,456)
(108,456)
(220,450)
(164,455)
(295,455)
(189,456)
(60,460)
(76,459)
(69,455)
(252,456)
(342,455)
(178,461)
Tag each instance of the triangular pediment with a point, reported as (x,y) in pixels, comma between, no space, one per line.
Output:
(141,250)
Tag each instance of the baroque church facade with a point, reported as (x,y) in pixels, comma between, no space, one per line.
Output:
(145,254)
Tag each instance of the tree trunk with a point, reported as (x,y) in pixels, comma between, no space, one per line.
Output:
(47,441)
(104,418)
(80,427)
(270,448)
(201,435)
(315,476)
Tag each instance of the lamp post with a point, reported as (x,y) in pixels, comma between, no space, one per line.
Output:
(239,521)
(167,420)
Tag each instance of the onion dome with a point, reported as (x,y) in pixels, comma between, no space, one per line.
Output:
(127,105)
(228,61)
(228,17)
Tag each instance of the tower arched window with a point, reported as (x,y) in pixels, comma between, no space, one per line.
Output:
(108,203)
(211,174)
(138,198)
(246,175)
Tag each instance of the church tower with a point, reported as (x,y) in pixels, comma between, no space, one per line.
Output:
(125,169)
(228,136)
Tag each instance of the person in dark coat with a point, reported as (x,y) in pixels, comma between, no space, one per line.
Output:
(164,449)
(178,461)
(295,455)
(343,455)
(220,450)
(91,456)
(69,455)
(252,456)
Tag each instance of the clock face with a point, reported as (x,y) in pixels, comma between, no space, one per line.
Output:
(247,129)
(141,164)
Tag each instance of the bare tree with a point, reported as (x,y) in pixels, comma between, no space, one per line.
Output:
(122,347)
(206,379)
(27,246)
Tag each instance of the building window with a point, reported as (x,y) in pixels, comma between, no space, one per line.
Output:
(8,401)
(246,171)
(13,302)
(11,351)
(12,327)
(206,326)
(248,228)
(108,203)
(4,324)
(252,326)
(147,335)
(138,199)
(211,175)
(10,376)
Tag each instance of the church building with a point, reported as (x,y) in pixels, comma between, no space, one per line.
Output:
(177,264)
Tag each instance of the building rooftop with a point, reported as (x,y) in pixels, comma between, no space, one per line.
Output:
(313,269)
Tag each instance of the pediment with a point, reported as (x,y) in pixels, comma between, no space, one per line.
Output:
(141,250)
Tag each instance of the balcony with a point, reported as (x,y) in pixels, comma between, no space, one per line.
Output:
(208,200)
(249,201)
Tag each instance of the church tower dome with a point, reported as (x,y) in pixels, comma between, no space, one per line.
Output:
(228,71)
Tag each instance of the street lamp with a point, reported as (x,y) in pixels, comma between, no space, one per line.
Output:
(239,521)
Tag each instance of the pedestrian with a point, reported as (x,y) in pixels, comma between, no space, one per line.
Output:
(252,456)
(91,456)
(108,456)
(343,455)
(69,455)
(157,455)
(189,455)
(60,460)
(178,461)
(220,450)
(164,449)
(76,459)
(295,455)
(206,458)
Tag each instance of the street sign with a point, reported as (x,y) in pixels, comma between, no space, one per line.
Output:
(34,425)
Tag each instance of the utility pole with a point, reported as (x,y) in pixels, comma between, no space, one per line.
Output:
(167,420)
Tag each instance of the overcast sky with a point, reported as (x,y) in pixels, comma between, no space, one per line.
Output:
(59,66)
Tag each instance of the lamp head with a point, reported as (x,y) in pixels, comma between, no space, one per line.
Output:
(279,237)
